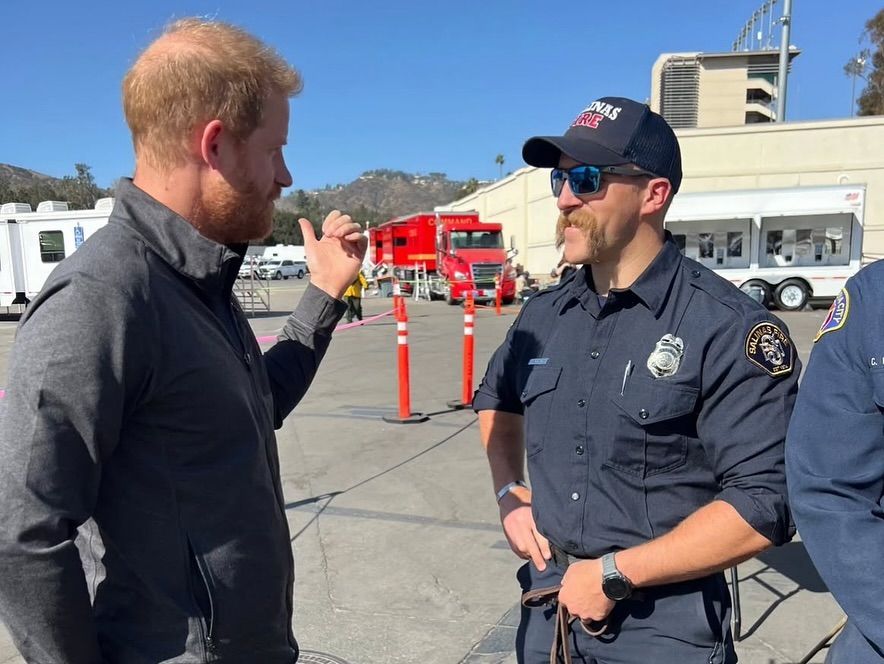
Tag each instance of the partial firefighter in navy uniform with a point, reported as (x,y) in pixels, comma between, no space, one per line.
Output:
(651,399)
(835,463)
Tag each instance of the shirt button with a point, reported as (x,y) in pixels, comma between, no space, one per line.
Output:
(643,414)
(575,496)
(581,403)
(247,358)
(579,450)
(695,273)
(524,394)
(594,355)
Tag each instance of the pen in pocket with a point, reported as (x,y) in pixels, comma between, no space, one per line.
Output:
(626,372)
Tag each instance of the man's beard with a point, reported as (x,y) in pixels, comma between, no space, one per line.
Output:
(232,216)
(593,246)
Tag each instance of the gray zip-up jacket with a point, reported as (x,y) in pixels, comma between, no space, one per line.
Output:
(139,404)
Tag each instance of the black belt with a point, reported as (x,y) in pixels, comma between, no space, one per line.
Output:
(563,559)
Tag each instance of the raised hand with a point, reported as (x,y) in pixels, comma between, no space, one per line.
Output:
(335,259)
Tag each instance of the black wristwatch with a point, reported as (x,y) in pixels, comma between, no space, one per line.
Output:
(614,584)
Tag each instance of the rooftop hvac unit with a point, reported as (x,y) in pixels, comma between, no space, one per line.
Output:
(14,208)
(52,206)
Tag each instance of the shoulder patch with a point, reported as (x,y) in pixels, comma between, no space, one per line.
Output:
(837,315)
(768,347)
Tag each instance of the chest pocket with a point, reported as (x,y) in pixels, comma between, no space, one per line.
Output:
(655,421)
(537,397)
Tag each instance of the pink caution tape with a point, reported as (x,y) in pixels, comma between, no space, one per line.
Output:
(346,326)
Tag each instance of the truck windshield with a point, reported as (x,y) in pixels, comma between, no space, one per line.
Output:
(476,240)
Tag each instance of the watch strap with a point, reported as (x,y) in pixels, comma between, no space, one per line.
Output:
(609,567)
(506,488)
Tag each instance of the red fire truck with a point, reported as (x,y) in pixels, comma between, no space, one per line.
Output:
(455,250)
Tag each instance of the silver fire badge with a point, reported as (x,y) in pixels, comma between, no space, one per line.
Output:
(666,356)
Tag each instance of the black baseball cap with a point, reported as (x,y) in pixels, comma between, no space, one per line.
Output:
(612,131)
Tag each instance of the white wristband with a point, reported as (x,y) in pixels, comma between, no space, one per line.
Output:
(506,488)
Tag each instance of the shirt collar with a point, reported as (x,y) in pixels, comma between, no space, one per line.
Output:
(651,288)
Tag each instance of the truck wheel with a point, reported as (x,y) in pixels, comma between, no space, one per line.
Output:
(278,275)
(451,300)
(758,290)
(300,274)
(507,300)
(791,295)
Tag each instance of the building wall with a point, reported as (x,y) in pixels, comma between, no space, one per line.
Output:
(722,101)
(731,158)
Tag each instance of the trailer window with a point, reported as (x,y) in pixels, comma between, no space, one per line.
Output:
(822,239)
(734,245)
(400,241)
(716,243)
(51,246)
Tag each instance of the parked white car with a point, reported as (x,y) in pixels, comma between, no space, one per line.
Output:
(250,263)
(282,269)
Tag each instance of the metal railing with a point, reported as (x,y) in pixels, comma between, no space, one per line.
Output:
(252,292)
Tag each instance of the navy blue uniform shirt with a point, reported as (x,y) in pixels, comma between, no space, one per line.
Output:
(835,458)
(619,453)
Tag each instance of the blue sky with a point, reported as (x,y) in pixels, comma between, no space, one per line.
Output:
(415,86)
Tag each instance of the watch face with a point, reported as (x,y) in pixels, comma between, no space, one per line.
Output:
(616,588)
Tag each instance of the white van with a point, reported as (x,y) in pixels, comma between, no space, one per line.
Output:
(783,246)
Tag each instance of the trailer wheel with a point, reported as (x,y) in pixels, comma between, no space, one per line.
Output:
(753,287)
(791,295)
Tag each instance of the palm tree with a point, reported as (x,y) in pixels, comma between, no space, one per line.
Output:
(499,161)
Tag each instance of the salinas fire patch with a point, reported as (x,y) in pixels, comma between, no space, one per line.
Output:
(771,349)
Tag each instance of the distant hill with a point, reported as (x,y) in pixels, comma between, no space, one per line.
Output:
(381,194)
(17,177)
(22,185)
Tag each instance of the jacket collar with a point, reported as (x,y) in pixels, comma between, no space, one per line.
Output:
(211,266)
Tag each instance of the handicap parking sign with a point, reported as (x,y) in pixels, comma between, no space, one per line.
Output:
(78,236)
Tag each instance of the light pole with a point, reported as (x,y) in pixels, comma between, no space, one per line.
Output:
(855,67)
(784,61)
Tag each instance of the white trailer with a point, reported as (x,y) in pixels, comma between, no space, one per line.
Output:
(33,243)
(783,246)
